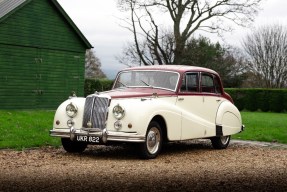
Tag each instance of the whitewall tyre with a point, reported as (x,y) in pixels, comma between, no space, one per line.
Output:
(220,142)
(152,146)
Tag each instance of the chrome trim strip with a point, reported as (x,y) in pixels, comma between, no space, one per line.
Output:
(125,137)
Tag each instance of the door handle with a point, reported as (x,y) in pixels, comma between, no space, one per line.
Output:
(218,100)
(180,99)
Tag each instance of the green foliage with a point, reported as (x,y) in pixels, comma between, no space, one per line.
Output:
(99,85)
(268,127)
(273,100)
(26,129)
(201,52)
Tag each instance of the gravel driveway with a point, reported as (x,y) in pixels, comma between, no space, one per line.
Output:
(186,166)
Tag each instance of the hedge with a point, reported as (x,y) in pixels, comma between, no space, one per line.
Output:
(99,85)
(273,100)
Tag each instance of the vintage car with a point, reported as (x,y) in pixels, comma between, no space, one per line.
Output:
(148,106)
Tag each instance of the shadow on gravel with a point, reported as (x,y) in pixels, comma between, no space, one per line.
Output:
(181,166)
(186,146)
(131,151)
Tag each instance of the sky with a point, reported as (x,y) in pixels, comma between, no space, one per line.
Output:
(99,21)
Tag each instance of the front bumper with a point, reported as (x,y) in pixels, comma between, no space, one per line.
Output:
(104,135)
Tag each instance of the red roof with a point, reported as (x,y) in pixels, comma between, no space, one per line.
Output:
(177,68)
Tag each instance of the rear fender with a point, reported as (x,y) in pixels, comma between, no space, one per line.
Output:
(228,118)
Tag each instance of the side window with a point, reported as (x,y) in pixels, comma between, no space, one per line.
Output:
(217,85)
(210,84)
(190,83)
(207,84)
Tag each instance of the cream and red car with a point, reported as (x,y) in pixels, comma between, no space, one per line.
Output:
(148,106)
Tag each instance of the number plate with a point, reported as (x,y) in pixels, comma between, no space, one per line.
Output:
(88,139)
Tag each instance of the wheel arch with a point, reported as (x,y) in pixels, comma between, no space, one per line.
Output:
(161,121)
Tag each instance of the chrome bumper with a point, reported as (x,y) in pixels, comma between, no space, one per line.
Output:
(104,135)
(242,128)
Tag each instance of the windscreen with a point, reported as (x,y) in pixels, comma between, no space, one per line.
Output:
(155,79)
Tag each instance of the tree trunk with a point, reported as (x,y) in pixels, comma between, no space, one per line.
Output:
(178,53)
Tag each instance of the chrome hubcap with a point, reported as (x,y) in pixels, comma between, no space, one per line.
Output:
(224,139)
(153,140)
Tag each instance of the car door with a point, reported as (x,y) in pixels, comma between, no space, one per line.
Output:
(199,99)
(190,102)
(212,98)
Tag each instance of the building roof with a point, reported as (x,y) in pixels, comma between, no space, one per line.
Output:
(8,7)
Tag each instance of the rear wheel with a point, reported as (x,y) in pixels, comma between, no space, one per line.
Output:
(73,146)
(152,146)
(220,142)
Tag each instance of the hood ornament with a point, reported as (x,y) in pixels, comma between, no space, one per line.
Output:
(89,124)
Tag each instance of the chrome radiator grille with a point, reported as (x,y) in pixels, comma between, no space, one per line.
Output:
(95,112)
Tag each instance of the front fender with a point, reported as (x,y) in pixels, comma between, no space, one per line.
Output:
(61,117)
(141,111)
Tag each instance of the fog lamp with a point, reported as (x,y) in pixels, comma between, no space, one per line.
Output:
(118,125)
(70,123)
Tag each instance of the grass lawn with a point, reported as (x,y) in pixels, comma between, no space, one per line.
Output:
(26,129)
(269,127)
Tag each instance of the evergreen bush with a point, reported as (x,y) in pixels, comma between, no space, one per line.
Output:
(99,85)
(273,100)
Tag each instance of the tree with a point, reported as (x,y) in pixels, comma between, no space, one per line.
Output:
(130,55)
(93,66)
(267,51)
(227,61)
(186,16)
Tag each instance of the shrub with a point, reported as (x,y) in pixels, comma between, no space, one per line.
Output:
(99,85)
(274,100)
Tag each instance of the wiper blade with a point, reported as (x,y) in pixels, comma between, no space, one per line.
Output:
(146,83)
(122,84)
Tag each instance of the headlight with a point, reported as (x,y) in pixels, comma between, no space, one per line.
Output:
(118,112)
(71,110)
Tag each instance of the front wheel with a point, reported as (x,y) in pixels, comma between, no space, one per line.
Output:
(73,146)
(153,141)
(220,142)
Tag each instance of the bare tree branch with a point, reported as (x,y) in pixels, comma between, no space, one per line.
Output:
(267,49)
(93,65)
(187,17)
